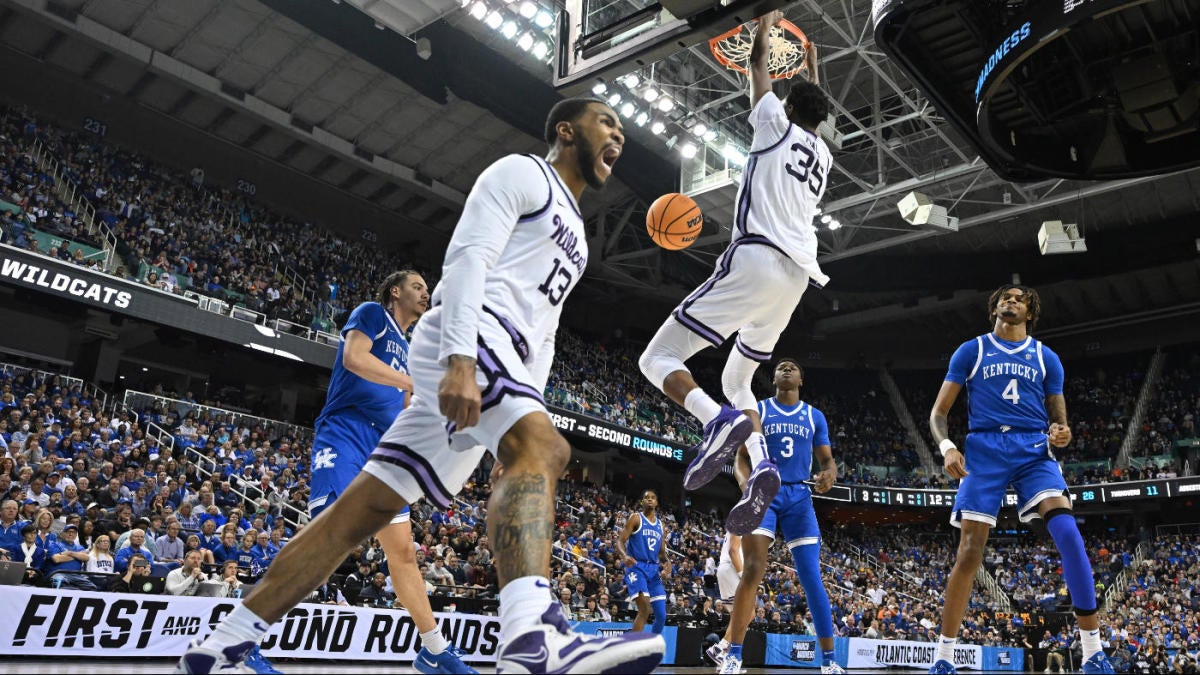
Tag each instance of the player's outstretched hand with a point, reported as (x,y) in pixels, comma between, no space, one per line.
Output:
(822,482)
(769,19)
(955,464)
(458,393)
(1060,435)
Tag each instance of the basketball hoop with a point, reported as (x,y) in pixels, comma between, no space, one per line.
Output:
(789,46)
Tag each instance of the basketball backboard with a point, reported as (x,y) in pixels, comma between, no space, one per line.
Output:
(598,40)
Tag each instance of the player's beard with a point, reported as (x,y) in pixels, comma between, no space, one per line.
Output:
(585,157)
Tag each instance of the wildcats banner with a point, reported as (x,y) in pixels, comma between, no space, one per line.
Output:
(82,623)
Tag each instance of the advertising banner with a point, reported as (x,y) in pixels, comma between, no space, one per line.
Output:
(670,634)
(864,653)
(580,425)
(85,623)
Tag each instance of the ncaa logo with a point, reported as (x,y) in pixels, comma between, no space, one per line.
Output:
(1003,658)
(803,650)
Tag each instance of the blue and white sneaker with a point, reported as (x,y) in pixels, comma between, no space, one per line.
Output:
(259,663)
(197,659)
(449,662)
(1099,663)
(716,654)
(552,647)
(761,488)
(942,667)
(723,435)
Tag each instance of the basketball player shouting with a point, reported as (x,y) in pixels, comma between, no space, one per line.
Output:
(757,284)
(486,348)
(1015,411)
(369,387)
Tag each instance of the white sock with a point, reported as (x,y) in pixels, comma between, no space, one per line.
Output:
(241,625)
(701,405)
(945,650)
(756,447)
(1090,640)
(434,641)
(522,603)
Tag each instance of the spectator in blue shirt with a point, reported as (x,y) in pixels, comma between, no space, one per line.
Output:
(263,550)
(31,553)
(10,528)
(228,548)
(135,545)
(65,560)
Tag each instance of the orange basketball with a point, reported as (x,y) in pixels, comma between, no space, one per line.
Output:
(674,221)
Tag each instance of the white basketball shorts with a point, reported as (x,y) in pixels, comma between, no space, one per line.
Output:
(753,292)
(422,454)
(727,581)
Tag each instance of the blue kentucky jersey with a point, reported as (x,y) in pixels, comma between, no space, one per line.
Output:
(348,392)
(646,541)
(791,434)
(1007,382)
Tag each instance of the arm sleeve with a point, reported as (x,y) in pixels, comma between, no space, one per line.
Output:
(368,318)
(513,186)
(821,433)
(963,362)
(769,121)
(1054,372)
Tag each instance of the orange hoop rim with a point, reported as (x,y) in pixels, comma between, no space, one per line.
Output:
(715,45)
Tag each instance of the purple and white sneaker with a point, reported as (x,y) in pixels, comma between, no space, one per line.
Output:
(198,659)
(761,489)
(552,647)
(723,435)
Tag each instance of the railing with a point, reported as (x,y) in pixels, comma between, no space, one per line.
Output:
(1119,584)
(69,192)
(1133,431)
(207,466)
(208,303)
(931,464)
(989,582)
(570,559)
(136,400)
(41,375)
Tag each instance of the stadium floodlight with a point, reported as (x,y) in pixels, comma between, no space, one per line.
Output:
(918,209)
(494,20)
(631,80)
(528,9)
(525,41)
(509,30)
(651,94)
(826,219)
(835,225)
(687,150)
(628,109)
(614,99)
(700,129)
(733,155)
(658,127)
(642,118)
(544,19)
(666,103)
(1055,236)
(599,88)
(541,49)
(710,136)
(479,9)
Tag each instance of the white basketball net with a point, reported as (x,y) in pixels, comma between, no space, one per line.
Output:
(784,55)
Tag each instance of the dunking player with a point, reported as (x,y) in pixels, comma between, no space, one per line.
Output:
(485,347)
(642,549)
(795,432)
(369,387)
(1015,411)
(773,253)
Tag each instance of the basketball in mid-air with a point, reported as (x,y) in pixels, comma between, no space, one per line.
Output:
(674,221)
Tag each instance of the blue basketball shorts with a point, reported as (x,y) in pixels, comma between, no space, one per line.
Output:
(996,460)
(643,579)
(792,514)
(340,450)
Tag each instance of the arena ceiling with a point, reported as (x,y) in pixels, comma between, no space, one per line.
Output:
(344,93)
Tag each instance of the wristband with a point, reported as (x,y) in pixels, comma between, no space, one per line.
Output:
(946,446)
